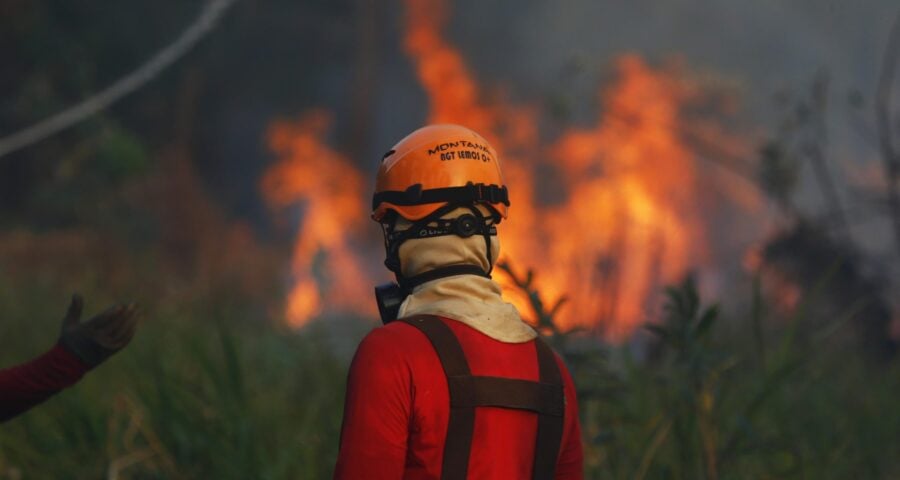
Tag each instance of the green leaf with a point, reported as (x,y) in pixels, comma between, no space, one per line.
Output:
(706,321)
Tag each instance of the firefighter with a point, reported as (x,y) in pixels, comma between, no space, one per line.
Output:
(81,347)
(455,385)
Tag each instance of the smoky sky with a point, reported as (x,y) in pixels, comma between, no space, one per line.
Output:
(764,45)
(536,49)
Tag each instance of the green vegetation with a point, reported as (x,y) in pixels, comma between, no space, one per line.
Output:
(199,394)
(711,401)
(210,389)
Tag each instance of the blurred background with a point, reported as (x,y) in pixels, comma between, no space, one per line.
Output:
(705,221)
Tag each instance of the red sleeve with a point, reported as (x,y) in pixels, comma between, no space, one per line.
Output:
(377,410)
(570,465)
(29,384)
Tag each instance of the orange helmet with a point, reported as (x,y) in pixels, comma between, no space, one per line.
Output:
(435,166)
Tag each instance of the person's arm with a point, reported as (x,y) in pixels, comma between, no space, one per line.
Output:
(81,347)
(27,385)
(570,465)
(377,411)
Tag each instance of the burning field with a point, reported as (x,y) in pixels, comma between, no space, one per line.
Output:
(604,214)
(718,274)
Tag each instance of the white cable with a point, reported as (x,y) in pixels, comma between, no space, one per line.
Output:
(207,19)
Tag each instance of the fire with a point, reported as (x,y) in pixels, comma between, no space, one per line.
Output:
(326,267)
(631,199)
(452,92)
(626,222)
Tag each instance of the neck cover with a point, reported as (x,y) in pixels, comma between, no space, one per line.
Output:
(469,299)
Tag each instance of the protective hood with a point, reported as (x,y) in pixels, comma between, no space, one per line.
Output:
(469,299)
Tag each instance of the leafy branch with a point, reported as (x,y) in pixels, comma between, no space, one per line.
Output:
(543,317)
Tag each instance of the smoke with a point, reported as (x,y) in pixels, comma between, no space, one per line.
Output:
(764,45)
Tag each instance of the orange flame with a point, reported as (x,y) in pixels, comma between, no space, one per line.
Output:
(631,201)
(452,92)
(326,266)
(625,223)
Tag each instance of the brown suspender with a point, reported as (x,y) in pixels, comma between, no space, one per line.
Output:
(544,397)
(550,427)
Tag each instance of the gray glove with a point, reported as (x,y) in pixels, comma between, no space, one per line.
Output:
(96,339)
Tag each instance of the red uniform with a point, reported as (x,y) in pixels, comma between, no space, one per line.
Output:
(29,384)
(397,410)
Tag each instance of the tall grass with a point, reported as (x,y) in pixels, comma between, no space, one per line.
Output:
(200,393)
(710,400)
(211,389)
